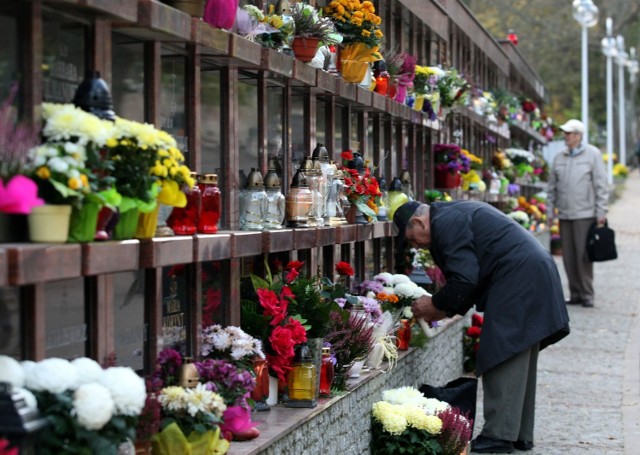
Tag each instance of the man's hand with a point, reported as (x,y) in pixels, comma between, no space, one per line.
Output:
(423,309)
(602,221)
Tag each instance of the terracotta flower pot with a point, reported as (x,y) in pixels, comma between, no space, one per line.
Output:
(305,48)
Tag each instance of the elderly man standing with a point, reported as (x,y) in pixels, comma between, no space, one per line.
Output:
(492,262)
(578,191)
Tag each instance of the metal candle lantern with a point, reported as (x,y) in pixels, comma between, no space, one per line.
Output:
(384,200)
(405,179)
(253,203)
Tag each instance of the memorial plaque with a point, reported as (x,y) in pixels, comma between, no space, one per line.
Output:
(63,57)
(10,329)
(212,279)
(66,327)
(127,87)
(175,309)
(130,328)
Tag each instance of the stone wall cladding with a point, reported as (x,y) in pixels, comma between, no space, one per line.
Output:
(345,427)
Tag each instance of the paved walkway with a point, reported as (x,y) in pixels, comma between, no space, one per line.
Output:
(588,399)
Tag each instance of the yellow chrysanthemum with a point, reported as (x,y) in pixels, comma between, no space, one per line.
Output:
(111,142)
(366,33)
(43,172)
(170,194)
(74,183)
(85,180)
(433,425)
(378,33)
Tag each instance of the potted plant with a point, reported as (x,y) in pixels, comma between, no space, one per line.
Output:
(309,30)
(18,193)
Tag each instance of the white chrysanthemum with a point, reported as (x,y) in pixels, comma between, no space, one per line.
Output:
(419,292)
(399,278)
(384,277)
(405,290)
(199,399)
(58,164)
(88,370)
(29,398)
(221,340)
(11,371)
(371,295)
(407,313)
(127,389)
(171,398)
(216,405)
(246,346)
(52,375)
(402,395)
(432,406)
(93,406)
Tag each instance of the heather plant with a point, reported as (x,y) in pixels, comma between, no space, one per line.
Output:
(456,431)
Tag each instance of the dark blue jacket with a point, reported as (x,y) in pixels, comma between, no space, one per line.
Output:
(492,262)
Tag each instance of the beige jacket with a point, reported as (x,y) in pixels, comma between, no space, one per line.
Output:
(578,184)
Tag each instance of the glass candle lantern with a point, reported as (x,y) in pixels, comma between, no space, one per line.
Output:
(326,372)
(405,179)
(315,180)
(253,203)
(384,200)
(184,220)
(274,215)
(302,379)
(298,201)
(337,200)
(404,335)
(211,199)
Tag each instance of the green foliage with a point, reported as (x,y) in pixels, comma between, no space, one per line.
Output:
(312,306)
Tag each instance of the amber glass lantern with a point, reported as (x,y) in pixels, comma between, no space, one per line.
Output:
(299,201)
(302,379)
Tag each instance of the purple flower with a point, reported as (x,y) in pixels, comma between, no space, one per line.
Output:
(373,286)
(341,302)
(514,188)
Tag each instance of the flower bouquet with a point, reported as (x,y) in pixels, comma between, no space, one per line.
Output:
(449,162)
(231,344)
(190,416)
(407,422)
(471,342)
(402,69)
(363,191)
(269,30)
(89,409)
(269,320)
(453,88)
(361,35)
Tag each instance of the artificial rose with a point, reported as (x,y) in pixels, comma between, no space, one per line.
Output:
(298,332)
(347,156)
(291,275)
(282,342)
(474,332)
(273,306)
(477,320)
(295,265)
(344,269)
(279,366)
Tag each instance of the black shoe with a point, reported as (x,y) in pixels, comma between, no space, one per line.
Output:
(573,302)
(587,304)
(523,445)
(484,444)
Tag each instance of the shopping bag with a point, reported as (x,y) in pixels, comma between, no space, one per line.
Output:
(460,393)
(601,243)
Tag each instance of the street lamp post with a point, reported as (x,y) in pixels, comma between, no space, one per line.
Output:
(586,13)
(622,59)
(609,48)
(634,68)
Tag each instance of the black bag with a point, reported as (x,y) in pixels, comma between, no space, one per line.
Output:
(460,393)
(601,243)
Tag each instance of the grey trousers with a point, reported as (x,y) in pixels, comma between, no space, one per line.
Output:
(577,266)
(510,397)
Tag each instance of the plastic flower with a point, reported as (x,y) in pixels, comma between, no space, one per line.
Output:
(127,390)
(93,406)
(344,269)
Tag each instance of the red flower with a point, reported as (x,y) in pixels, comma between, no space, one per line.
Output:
(347,155)
(291,275)
(286,294)
(276,264)
(297,265)
(6,450)
(477,320)
(474,332)
(344,269)
(279,365)
(273,306)
(298,332)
